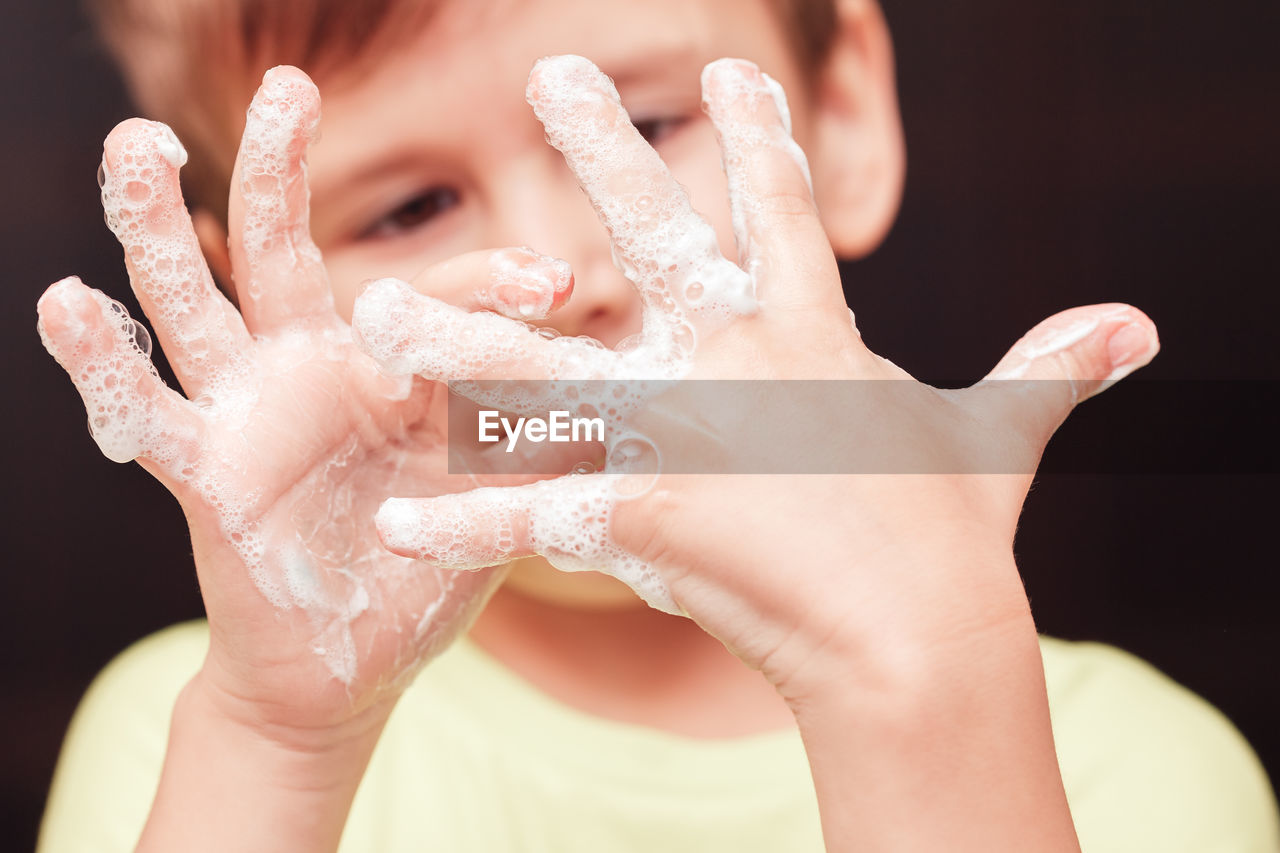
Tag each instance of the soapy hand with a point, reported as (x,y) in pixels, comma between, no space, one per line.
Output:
(289,437)
(809,578)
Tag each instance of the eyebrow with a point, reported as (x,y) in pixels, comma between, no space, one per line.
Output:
(384,165)
(330,221)
(625,69)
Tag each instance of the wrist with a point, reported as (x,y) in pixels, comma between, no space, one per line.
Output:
(230,782)
(916,684)
(935,736)
(287,725)
(917,618)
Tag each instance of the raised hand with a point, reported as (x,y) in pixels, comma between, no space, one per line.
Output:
(289,437)
(776,567)
(881,599)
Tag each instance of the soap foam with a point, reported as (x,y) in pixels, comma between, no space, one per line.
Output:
(660,242)
(524,284)
(143,208)
(170,148)
(567,519)
(730,86)
(282,120)
(105,367)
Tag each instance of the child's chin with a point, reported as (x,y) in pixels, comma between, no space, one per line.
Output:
(535,578)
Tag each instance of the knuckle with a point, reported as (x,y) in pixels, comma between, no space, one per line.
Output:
(789,202)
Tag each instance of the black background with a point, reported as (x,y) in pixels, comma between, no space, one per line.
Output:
(1059,154)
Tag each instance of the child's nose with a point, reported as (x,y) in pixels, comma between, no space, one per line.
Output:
(542,207)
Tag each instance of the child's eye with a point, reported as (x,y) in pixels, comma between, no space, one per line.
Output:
(655,130)
(412,213)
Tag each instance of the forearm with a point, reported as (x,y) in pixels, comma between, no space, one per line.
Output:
(944,748)
(228,786)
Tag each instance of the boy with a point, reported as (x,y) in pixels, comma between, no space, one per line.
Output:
(277,736)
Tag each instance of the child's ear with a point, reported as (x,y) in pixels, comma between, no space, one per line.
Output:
(212,235)
(859,159)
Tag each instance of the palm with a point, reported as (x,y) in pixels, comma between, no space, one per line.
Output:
(328,440)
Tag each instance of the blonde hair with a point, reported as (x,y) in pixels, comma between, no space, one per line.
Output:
(194,64)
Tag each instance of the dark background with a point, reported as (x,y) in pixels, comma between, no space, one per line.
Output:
(1059,154)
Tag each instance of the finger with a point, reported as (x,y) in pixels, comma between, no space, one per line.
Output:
(407,332)
(1068,358)
(463,531)
(666,248)
(279,275)
(131,412)
(518,282)
(566,520)
(200,331)
(781,241)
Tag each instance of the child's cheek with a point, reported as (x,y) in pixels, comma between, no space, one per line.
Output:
(344,285)
(693,156)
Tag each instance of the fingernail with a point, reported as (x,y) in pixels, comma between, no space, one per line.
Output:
(569,79)
(1129,347)
(62,303)
(732,79)
(285,108)
(139,159)
(526,283)
(395,520)
(730,69)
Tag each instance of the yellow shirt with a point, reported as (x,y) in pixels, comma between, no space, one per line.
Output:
(474,759)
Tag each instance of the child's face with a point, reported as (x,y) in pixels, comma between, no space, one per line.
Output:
(436,153)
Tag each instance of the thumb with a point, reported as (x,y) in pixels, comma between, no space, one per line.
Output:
(1068,358)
